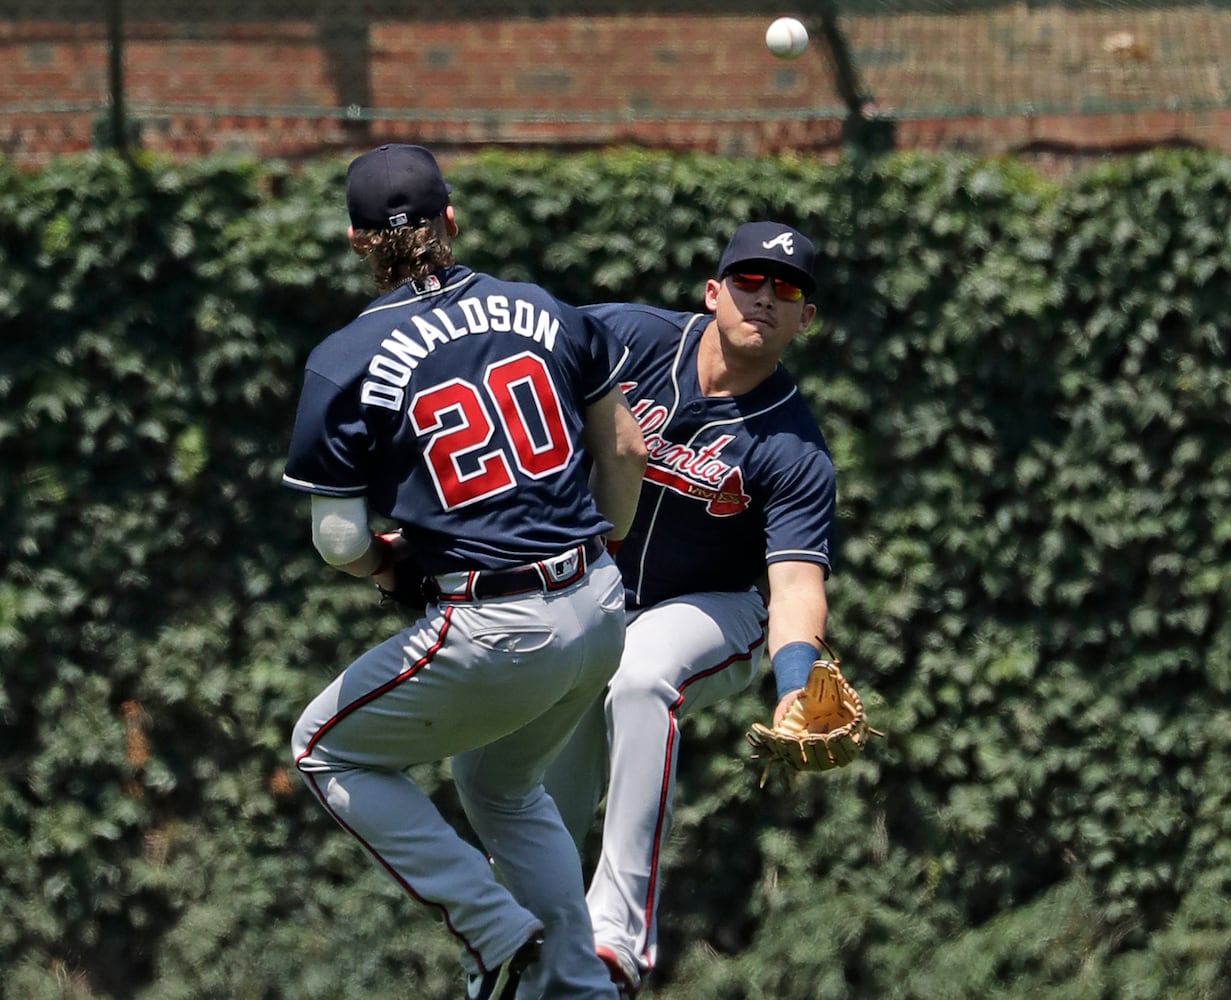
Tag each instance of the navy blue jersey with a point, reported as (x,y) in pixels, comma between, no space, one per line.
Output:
(733,482)
(455,408)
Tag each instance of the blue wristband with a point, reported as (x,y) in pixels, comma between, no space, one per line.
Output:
(792,663)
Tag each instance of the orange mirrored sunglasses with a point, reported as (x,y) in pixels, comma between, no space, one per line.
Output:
(783,289)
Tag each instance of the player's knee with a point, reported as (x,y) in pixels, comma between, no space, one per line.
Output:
(633,689)
(301,741)
(481,789)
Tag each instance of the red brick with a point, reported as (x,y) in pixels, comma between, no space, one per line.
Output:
(679,80)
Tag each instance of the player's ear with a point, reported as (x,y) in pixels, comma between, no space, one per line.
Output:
(809,313)
(354,245)
(450,222)
(712,287)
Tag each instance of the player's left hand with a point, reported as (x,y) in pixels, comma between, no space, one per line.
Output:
(784,703)
(401,583)
(818,727)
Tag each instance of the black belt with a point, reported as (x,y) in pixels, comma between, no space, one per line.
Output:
(553,573)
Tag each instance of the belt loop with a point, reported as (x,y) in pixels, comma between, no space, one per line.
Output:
(595,547)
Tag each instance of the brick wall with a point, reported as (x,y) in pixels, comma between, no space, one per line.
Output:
(1047,82)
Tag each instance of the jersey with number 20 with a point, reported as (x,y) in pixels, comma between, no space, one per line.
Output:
(455,407)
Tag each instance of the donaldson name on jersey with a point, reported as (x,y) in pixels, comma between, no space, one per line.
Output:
(472,391)
(756,466)
(401,351)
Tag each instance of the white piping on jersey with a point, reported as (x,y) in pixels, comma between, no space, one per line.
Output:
(464,279)
(791,553)
(645,549)
(662,492)
(326,491)
(611,380)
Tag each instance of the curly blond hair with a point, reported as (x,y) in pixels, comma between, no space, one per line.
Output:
(408,253)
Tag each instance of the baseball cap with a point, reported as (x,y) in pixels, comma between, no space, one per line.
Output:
(394,185)
(784,251)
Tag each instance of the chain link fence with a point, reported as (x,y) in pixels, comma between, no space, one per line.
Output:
(305,77)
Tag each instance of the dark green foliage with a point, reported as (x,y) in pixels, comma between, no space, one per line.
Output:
(1025,386)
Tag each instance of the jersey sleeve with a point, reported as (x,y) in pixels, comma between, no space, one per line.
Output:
(331,462)
(604,353)
(799,513)
(646,334)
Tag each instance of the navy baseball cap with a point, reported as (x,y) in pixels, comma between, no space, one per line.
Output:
(394,185)
(777,248)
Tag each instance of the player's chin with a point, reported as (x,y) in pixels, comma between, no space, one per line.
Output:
(760,334)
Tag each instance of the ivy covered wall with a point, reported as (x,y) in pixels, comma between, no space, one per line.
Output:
(1025,385)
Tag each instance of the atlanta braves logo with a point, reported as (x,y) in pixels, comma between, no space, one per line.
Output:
(728,499)
(786,241)
(691,471)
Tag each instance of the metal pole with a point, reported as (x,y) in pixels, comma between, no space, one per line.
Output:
(858,129)
(846,76)
(115,73)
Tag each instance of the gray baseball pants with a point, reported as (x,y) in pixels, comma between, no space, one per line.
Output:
(498,685)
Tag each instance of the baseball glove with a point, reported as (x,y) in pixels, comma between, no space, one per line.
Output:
(825,727)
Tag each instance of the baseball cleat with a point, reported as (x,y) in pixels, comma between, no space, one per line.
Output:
(501,982)
(623,973)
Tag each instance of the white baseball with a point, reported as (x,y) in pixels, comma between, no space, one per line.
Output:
(786,38)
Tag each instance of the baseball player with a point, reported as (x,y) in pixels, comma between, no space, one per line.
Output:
(467,410)
(739,489)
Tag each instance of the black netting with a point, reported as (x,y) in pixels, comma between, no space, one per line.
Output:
(301,78)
